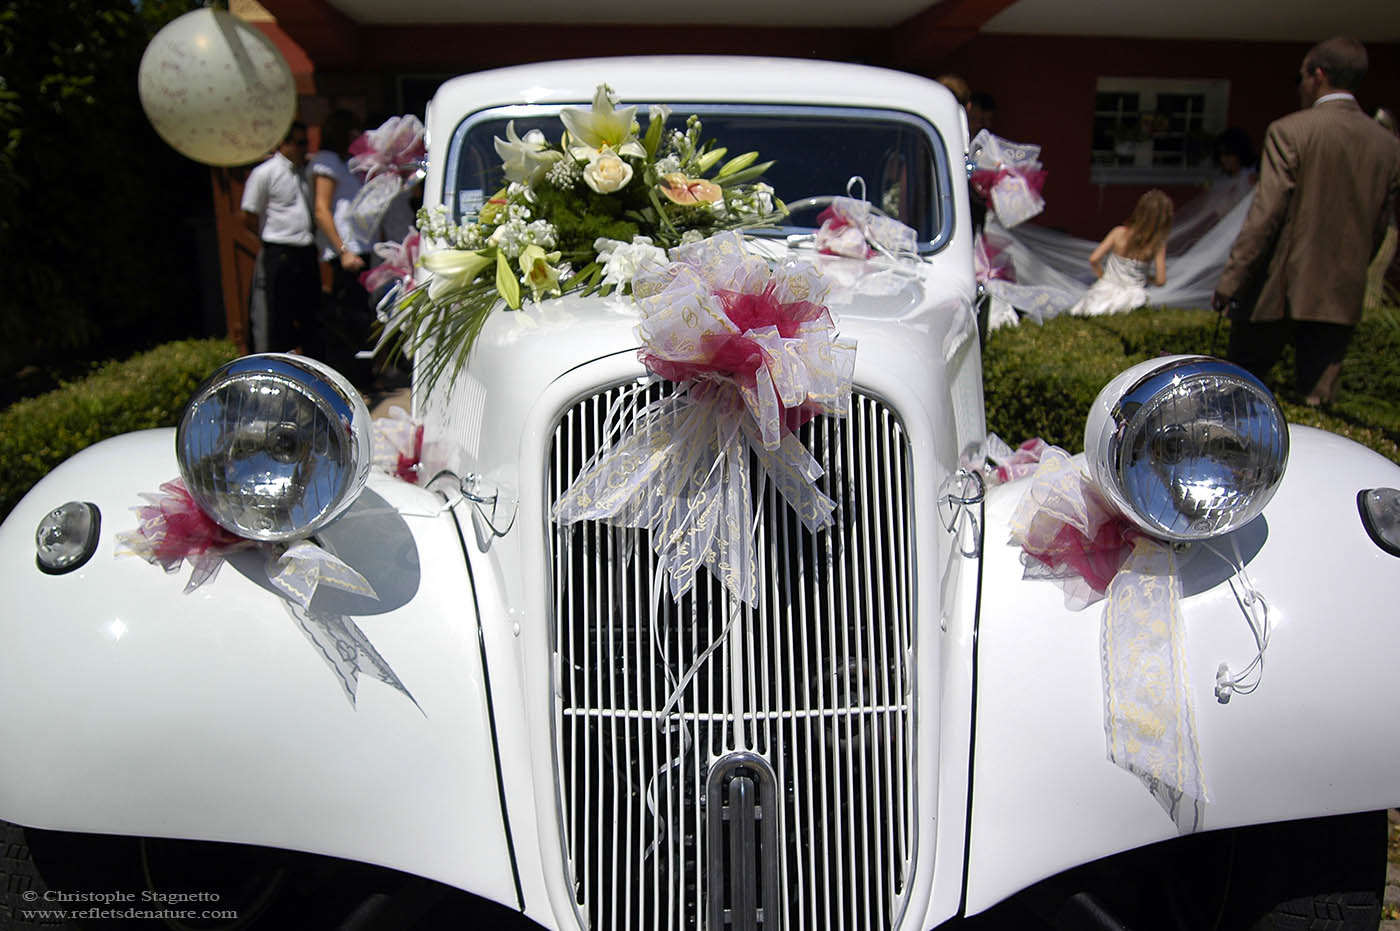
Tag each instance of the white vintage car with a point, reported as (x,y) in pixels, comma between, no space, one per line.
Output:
(893,727)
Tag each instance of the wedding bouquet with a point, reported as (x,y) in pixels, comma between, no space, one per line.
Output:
(583,214)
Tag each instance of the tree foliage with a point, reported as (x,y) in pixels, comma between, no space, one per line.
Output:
(95,209)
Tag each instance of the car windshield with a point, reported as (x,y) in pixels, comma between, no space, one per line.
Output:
(817,152)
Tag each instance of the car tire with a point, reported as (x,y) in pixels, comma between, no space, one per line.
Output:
(1322,874)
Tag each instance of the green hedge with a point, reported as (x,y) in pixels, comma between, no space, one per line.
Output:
(1040,380)
(147,390)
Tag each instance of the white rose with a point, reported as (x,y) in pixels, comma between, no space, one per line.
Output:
(606,172)
(621,261)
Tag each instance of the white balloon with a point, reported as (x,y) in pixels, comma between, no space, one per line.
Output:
(216,89)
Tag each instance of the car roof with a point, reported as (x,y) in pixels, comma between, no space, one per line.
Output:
(697,79)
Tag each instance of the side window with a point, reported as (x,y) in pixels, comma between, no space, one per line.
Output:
(1156,131)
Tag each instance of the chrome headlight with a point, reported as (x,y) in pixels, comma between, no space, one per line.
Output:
(1187,447)
(273,447)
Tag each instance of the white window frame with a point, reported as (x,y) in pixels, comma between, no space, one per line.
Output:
(1140,168)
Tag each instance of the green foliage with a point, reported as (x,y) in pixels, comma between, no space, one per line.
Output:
(582,220)
(94,207)
(147,390)
(1041,380)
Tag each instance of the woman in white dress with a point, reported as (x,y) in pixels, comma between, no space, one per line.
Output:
(1136,255)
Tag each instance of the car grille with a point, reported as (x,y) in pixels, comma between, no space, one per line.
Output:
(817,679)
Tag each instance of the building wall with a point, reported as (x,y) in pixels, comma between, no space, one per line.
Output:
(1044,88)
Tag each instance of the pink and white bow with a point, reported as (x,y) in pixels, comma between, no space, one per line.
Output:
(172,529)
(1009,176)
(390,159)
(851,228)
(400,262)
(397,147)
(398,444)
(754,354)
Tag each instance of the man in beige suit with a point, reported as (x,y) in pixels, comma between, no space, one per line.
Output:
(1297,269)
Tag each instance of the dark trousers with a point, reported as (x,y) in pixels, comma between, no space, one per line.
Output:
(292,289)
(346,327)
(1318,347)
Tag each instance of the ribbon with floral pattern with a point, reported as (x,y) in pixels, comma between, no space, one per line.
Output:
(1069,532)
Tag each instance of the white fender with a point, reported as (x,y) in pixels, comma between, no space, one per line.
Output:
(133,708)
(1320,736)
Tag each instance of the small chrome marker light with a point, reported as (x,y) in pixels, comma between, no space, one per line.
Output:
(273,447)
(1380,515)
(1188,447)
(67,537)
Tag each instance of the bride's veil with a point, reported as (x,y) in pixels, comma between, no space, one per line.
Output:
(1047,262)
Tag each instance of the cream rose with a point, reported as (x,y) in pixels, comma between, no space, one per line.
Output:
(607,172)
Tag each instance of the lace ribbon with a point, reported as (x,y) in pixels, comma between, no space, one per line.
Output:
(1149,717)
(1069,532)
(755,354)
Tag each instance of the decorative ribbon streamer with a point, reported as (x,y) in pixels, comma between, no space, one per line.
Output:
(755,354)
(1069,532)
(1149,717)
(990,261)
(304,566)
(1008,175)
(345,649)
(173,529)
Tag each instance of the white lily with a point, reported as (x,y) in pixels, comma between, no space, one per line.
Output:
(602,127)
(453,269)
(525,160)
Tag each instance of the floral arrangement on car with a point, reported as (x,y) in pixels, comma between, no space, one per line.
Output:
(582,214)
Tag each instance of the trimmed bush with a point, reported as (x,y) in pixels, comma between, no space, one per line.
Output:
(1041,380)
(147,390)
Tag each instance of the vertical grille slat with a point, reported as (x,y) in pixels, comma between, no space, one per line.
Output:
(816,679)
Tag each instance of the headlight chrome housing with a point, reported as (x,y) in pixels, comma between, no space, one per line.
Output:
(1188,447)
(274,447)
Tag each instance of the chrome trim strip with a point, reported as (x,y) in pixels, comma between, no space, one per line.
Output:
(491,716)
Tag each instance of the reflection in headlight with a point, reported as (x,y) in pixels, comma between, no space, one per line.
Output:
(274,446)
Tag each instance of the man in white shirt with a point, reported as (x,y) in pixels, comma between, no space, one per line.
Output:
(277,206)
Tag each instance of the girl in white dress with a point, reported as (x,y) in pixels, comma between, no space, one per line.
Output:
(1136,254)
